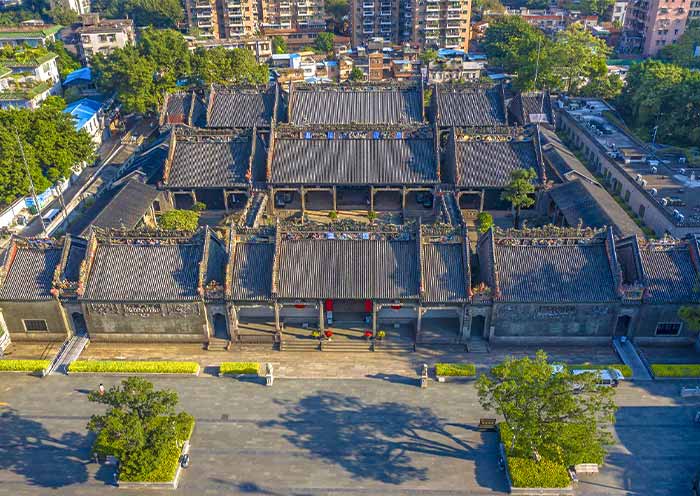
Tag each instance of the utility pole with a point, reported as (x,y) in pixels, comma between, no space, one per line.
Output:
(31,183)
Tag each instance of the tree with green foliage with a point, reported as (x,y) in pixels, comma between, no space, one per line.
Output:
(51,147)
(157,13)
(683,52)
(324,42)
(238,66)
(578,57)
(338,9)
(129,75)
(427,56)
(356,75)
(67,62)
(140,427)
(519,192)
(663,95)
(167,49)
(484,222)
(554,416)
(690,314)
(279,45)
(596,7)
(63,15)
(179,220)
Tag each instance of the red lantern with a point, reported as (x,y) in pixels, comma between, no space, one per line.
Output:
(329,305)
(328,333)
(368,306)
(368,334)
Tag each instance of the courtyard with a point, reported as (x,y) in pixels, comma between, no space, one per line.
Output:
(378,435)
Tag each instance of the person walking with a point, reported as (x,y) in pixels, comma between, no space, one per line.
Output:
(101,389)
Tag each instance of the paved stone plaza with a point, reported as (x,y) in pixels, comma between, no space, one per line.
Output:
(372,436)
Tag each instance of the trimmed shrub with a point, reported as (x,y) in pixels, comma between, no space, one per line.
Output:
(626,371)
(675,370)
(455,369)
(179,220)
(239,368)
(36,366)
(527,472)
(484,221)
(135,367)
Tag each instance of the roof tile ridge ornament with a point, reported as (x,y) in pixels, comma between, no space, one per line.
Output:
(538,153)
(419,244)
(436,151)
(193,99)
(613,262)
(251,157)
(56,281)
(10,255)
(210,102)
(169,159)
(465,261)
(496,278)
(693,244)
(270,151)
(276,259)
(86,264)
(163,116)
(231,254)
(290,101)
(203,262)
(276,105)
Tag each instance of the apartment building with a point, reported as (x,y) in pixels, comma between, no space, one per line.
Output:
(233,18)
(78,6)
(652,24)
(102,36)
(429,23)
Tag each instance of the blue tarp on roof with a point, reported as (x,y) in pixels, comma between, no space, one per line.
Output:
(84,74)
(450,53)
(82,111)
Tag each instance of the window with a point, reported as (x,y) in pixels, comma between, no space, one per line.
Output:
(641,211)
(668,328)
(35,325)
(627,195)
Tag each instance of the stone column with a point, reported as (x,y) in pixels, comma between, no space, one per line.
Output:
(335,198)
(419,323)
(374,318)
(321,322)
(225,200)
(481,206)
(303,201)
(234,322)
(371,198)
(277,316)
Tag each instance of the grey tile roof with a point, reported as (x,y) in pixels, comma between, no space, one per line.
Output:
(526,104)
(470,107)
(252,271)
(554,274)
(127,207)
(489,164)
(76,254)
(209,164)
(349,106)
(185,108)
(237,108)
(216,261)
(444,273)
(589,202)
(354,161)
(348,269)
(144,272)
(670,275)
(562,160)
(30,276)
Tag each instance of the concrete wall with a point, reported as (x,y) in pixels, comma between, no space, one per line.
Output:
(651,315)
(552,323)
(48,310)
(147,322)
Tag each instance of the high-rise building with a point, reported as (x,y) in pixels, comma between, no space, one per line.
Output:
(426,23)
(78,6)
(650,25)
(233,18)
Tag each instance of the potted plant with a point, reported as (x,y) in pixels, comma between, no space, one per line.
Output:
(368,334)
(329,334)
(381,335)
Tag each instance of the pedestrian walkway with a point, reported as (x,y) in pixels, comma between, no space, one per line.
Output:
(628,353)
(69,353)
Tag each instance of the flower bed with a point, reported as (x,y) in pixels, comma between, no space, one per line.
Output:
(36,366)
(528,473)
(239,368)
(626,371)
(133,367)
(169,460)
(455,369)
(675,370)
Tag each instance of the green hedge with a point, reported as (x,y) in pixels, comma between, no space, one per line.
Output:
(238,368)
(23,365)
(119,366)
(455,369)
(169,460)
(626,371)
(675,370)
(526,472)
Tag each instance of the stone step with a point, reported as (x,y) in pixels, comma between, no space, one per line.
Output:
(299,345)
(478,346)
(346,346)
(404,347)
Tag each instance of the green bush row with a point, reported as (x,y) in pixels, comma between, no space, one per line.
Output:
(136,367)
(675,370)
(526,472)
(626,371)
(23,365)
(238,368)
(169,459)
(455,369)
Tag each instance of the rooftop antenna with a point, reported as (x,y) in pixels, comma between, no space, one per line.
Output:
(31,183)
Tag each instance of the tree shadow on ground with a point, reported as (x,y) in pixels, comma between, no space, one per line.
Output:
(378,441)
(28,450)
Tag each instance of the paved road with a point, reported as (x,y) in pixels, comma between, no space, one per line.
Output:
(382,436)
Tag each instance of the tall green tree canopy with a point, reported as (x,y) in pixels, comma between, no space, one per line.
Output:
(279,45)
(338,9)
(238,66)
(663,95)
(51,147)
(324,42)
(519,191)
(556,416)
(139,427)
